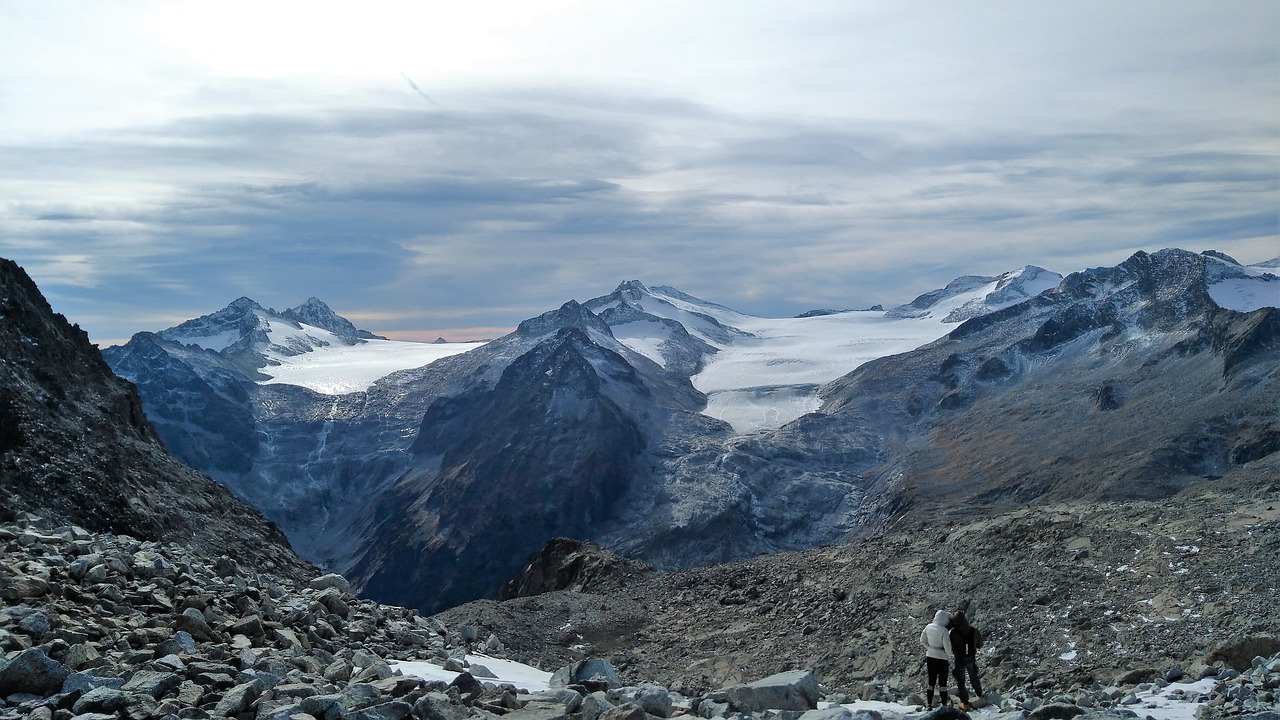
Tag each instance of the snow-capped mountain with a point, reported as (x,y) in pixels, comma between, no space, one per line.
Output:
(683,432)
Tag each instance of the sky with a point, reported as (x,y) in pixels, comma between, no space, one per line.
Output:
(450,169)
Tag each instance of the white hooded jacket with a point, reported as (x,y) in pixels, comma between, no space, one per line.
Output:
(936,639)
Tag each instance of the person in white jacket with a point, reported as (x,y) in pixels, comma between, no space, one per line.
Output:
(937,653)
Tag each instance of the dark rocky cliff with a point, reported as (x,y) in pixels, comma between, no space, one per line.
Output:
(76,447)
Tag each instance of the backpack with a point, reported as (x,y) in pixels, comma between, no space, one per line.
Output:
(977,638)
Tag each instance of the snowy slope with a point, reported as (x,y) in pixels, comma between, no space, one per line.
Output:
(1245,288)
(768,370)
(342,369)
(298,353)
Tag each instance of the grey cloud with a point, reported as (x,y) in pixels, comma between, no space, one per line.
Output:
(518,204)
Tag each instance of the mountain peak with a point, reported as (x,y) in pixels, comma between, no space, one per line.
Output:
(570,314)
(316,313)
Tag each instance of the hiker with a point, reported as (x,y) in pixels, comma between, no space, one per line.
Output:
(965,641)
(937,653)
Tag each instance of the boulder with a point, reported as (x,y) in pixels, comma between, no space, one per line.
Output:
(32,671)
(792,690)
(1055,711)
(595,673)
(653,699)
(331,580)
(238,699)
(437,706)
(155,684)
(1239,654)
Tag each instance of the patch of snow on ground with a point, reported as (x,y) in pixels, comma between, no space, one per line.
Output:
(522,676)
(1246,294)
(340,369)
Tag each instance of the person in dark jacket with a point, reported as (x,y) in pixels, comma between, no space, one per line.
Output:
(965,641)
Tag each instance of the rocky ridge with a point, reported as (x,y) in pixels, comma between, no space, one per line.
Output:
(75,445)
(1073,599)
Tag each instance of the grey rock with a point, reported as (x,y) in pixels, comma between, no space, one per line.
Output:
(594,705)
(238,699)
(438,706)
(540,710)
(625,712)
(32,671)
(393,710)
(358,695)
(1055,711)
(101,699)
(331,580)
(653,699)
(793,690)
(153,683)
(193,623)
(323,707)
(83,682)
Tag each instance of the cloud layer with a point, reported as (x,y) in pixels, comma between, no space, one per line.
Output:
(460,206)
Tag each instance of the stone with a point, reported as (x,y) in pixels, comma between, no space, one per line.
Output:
(653,699)
(238,699)
(359,695)
(1055,711)
(249,627)
(331,580)
(83,682)
(153,683)
(80,655)
(596,670)
(101,699)
(438,706)
(625,712)
(393,710)
(192,622)
(19,587)
(792,690)
(32,671)
(594,705)
(1239,654)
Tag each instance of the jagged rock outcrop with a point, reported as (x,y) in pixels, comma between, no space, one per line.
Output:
(568,564)
(75,444)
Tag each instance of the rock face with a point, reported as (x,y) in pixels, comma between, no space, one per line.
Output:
(567,564)
(1114,383)
(75,445)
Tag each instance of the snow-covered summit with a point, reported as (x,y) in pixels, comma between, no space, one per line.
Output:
(316,313)
(309,345)
(972,296)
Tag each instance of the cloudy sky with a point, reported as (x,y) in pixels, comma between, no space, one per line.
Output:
(451,168)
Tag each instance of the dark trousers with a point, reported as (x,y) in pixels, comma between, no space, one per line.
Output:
(966,664)
(937,669)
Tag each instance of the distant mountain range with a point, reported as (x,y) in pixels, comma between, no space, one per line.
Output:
(681,432)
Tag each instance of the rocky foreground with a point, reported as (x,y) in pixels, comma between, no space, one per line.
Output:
(101,626)
(1081,601)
